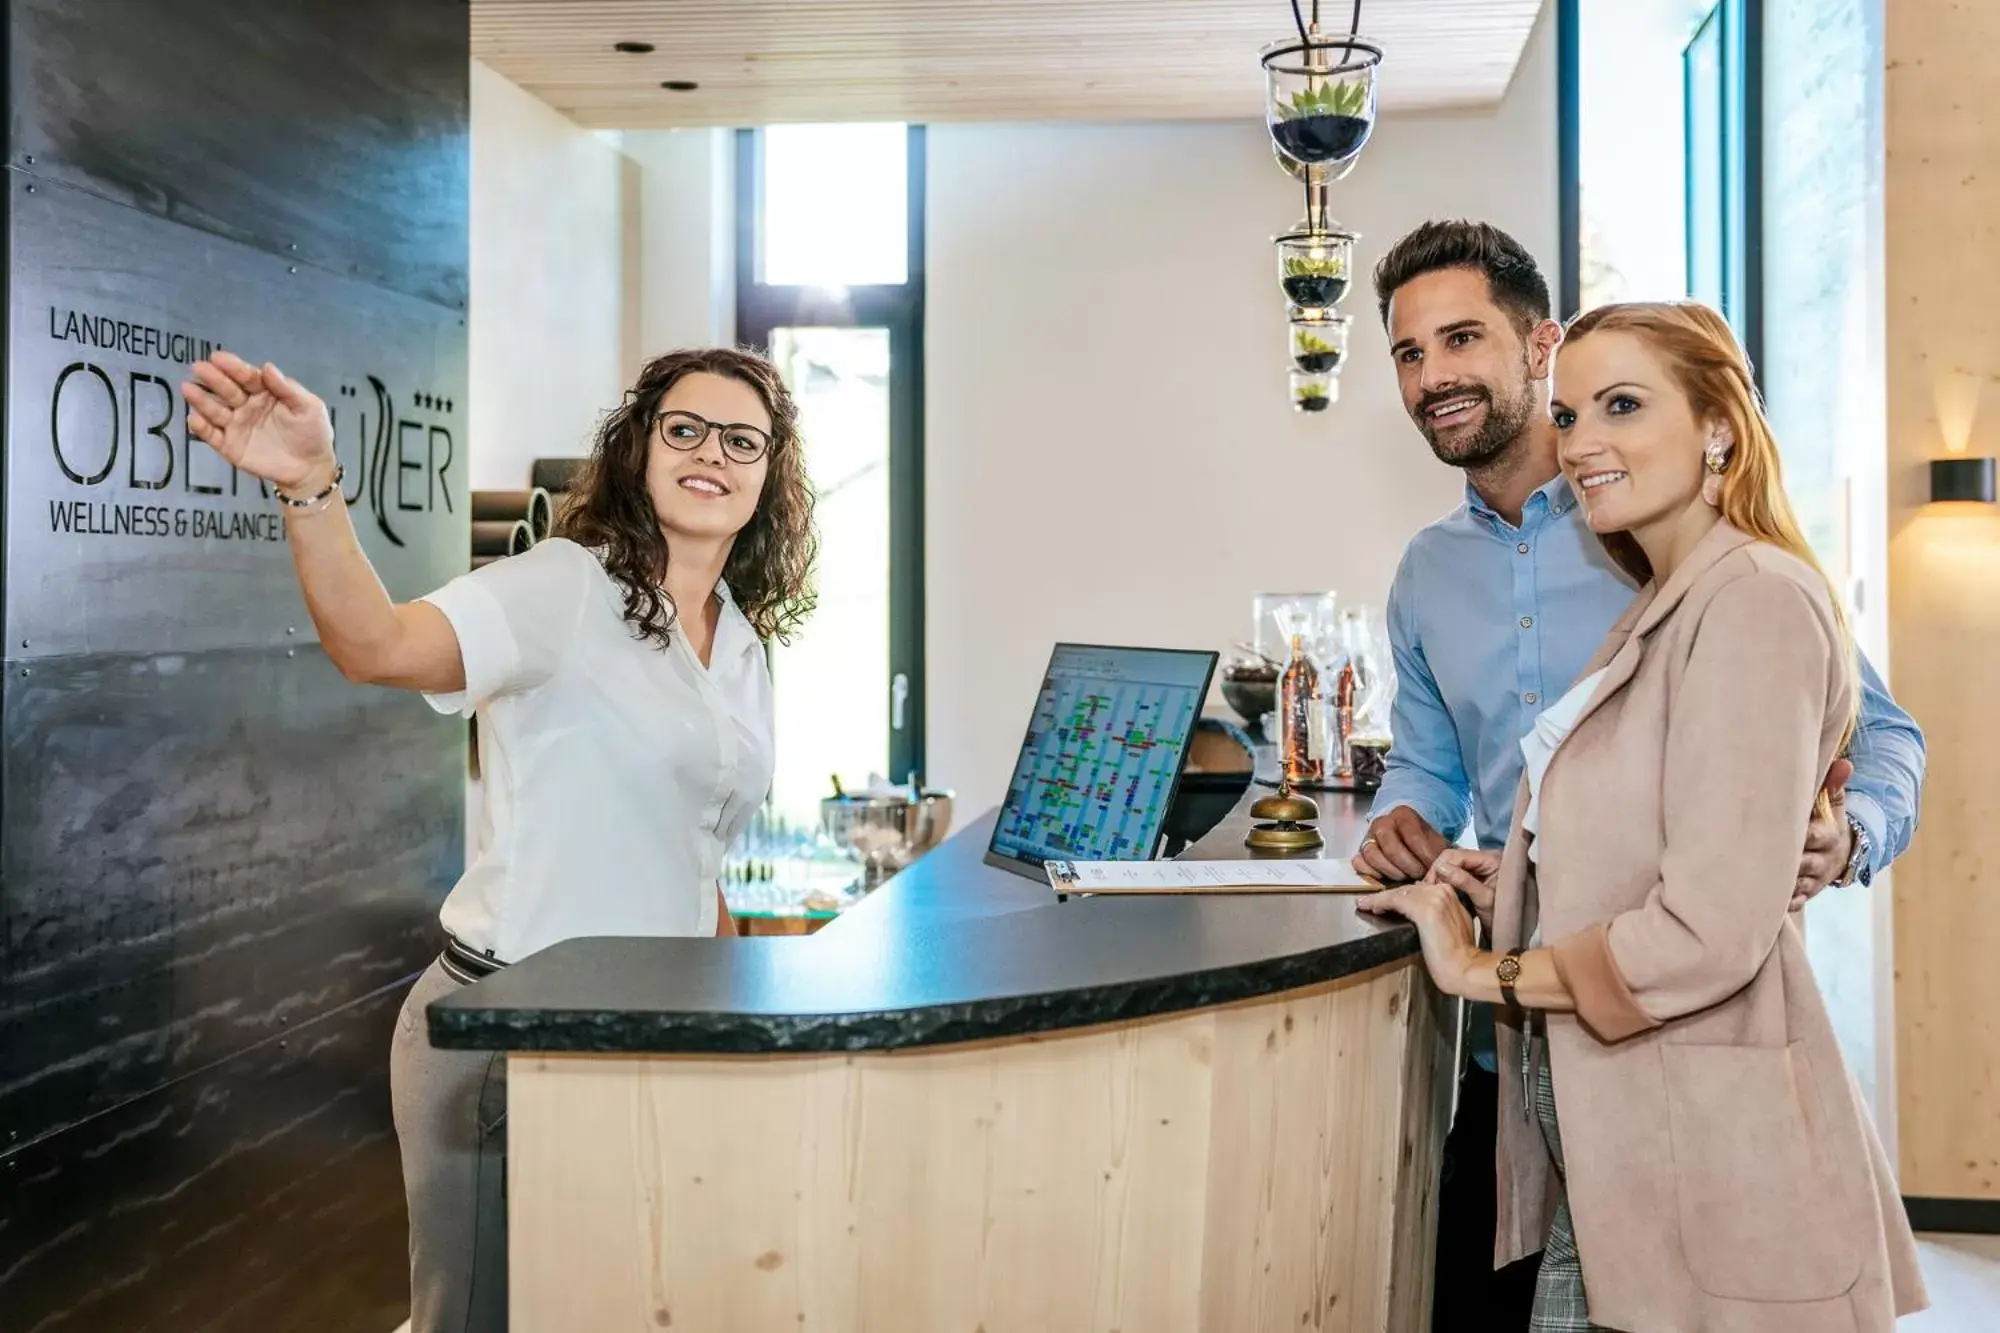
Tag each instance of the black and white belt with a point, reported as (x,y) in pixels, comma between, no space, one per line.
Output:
(465,965)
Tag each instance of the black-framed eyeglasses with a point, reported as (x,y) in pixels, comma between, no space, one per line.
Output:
(686,430)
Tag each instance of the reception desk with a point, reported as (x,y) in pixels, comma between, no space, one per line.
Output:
(965,1106)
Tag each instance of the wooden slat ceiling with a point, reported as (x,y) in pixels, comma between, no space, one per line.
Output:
(763,62)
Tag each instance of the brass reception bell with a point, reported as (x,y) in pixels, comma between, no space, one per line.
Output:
(1285,822)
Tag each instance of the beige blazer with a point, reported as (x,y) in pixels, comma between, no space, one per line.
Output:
(1722,1173)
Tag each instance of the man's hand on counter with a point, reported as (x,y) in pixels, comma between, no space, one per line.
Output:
(1400,846)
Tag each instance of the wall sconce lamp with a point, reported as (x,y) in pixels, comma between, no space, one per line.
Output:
(1962,478)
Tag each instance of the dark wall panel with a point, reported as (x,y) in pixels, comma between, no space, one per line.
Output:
(198,852)
(220,863)
(331,130)
(260,1196)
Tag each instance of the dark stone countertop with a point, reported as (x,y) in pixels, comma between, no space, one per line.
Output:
(951,950)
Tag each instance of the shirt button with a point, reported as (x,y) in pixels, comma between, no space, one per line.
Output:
(1527,622)
(1529,697)
(1522,548)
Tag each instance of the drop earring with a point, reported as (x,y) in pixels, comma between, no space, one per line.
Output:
(1715,459)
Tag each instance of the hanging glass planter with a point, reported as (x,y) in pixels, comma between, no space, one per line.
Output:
(1320,175)
(1319,101)
(1318,341)
(1314,393)
(1314,267)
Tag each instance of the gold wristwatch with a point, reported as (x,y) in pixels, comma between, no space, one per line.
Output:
(1508,969)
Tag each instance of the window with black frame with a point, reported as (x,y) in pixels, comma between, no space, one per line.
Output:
(1660,154)
(830,282)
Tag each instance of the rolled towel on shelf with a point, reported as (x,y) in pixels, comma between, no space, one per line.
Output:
(497,537)
(532,505)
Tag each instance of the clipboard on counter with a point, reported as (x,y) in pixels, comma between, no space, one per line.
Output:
(1179,877)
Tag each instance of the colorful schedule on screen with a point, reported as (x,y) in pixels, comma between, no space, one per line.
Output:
(1103,754)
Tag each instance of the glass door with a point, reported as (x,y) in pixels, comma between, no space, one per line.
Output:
(830,286)
(833,716)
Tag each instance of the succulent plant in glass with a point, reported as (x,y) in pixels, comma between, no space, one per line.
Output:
(1313,267)
(1319,341)
(1314,393)
(1320,97)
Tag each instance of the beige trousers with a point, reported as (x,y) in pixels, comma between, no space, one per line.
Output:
(451,1122)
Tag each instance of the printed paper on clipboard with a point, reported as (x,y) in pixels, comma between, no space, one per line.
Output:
(1328,876)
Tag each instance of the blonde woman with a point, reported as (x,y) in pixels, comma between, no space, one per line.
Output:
(1677,1129)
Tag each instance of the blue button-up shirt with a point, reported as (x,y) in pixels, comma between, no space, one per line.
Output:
(1490,623)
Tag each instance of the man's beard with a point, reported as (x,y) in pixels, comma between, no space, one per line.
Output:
(1504,424)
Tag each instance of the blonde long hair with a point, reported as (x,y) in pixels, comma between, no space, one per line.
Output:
(1708,363)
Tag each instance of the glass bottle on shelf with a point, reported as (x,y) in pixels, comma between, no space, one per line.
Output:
(1301,719)
(1271,632)
(1365,644)
(1343,705)
(1369,635)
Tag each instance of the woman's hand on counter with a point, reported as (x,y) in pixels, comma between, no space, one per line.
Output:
(1445,929)
(1452,954)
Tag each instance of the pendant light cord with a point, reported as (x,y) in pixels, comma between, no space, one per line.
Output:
(1304,42)
(1298,20)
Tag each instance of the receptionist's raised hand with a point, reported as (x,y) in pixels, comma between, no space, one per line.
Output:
(1400,846)
(261,421)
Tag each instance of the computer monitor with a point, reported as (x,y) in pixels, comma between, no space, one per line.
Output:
(1102,758)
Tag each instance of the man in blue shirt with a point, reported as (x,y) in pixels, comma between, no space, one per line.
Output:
(1493,613)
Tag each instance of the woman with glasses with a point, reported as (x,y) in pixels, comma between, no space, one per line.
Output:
(625,717)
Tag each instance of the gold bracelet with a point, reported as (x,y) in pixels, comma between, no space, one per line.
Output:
(317,503)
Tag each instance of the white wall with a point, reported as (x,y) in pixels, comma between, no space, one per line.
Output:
(553,329)
(552,204)
(686,293)
(591,251)
(1110,452)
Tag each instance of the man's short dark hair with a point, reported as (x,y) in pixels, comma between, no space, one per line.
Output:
(1516,284)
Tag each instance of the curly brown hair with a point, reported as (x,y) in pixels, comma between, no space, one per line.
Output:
(769,571)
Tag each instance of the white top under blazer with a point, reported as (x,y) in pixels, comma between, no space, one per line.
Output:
(1539,746)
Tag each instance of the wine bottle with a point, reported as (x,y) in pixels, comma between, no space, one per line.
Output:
(1343,705)
(1302,728)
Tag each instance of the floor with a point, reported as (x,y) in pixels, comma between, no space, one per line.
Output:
(1963,1273)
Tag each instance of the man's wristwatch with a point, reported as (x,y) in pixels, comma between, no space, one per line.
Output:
(1859,860)
(1508,970)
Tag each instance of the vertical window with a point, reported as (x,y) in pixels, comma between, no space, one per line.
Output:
(1822,276)
(1823,386)
(1660,154)
(1707,165)
(1721,95)
(835,206)
(830,285)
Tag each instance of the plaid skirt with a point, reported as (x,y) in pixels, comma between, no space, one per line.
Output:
(1560,1305)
